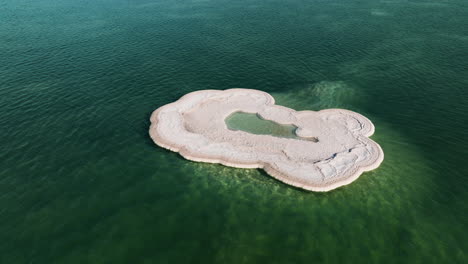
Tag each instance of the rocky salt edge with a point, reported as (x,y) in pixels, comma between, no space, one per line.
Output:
(333,149)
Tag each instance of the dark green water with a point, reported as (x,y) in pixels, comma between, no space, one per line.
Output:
(81,181)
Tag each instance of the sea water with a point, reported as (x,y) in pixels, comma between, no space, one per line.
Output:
(82,182)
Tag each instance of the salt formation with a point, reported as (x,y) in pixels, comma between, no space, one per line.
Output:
(333,151)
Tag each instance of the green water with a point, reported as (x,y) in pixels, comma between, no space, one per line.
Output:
(82,182)
(252,123)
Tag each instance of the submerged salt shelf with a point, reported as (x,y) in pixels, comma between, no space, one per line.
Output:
(333,149)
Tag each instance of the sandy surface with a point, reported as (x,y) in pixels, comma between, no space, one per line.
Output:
(195,127)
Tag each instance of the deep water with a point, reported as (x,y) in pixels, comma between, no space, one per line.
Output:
(82,182)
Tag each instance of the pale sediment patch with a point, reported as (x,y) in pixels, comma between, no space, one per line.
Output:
(379,12)
(195,127)
(322,95)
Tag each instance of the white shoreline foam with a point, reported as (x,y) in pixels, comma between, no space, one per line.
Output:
(195,127)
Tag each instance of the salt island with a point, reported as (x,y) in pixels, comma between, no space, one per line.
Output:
(332,147)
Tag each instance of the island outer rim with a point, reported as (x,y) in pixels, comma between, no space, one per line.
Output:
(261,165)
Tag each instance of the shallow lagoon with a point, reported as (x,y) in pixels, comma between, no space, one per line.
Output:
(254,124)
(82,182)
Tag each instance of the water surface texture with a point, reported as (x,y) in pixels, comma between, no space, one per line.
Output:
(82,182)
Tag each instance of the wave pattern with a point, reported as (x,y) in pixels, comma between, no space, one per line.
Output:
(79,79)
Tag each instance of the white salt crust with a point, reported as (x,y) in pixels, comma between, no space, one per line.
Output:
(195,127)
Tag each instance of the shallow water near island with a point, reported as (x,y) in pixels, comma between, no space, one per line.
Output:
(82,182)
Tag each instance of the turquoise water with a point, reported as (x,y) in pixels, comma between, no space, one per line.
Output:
(82,182)
(254,124)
